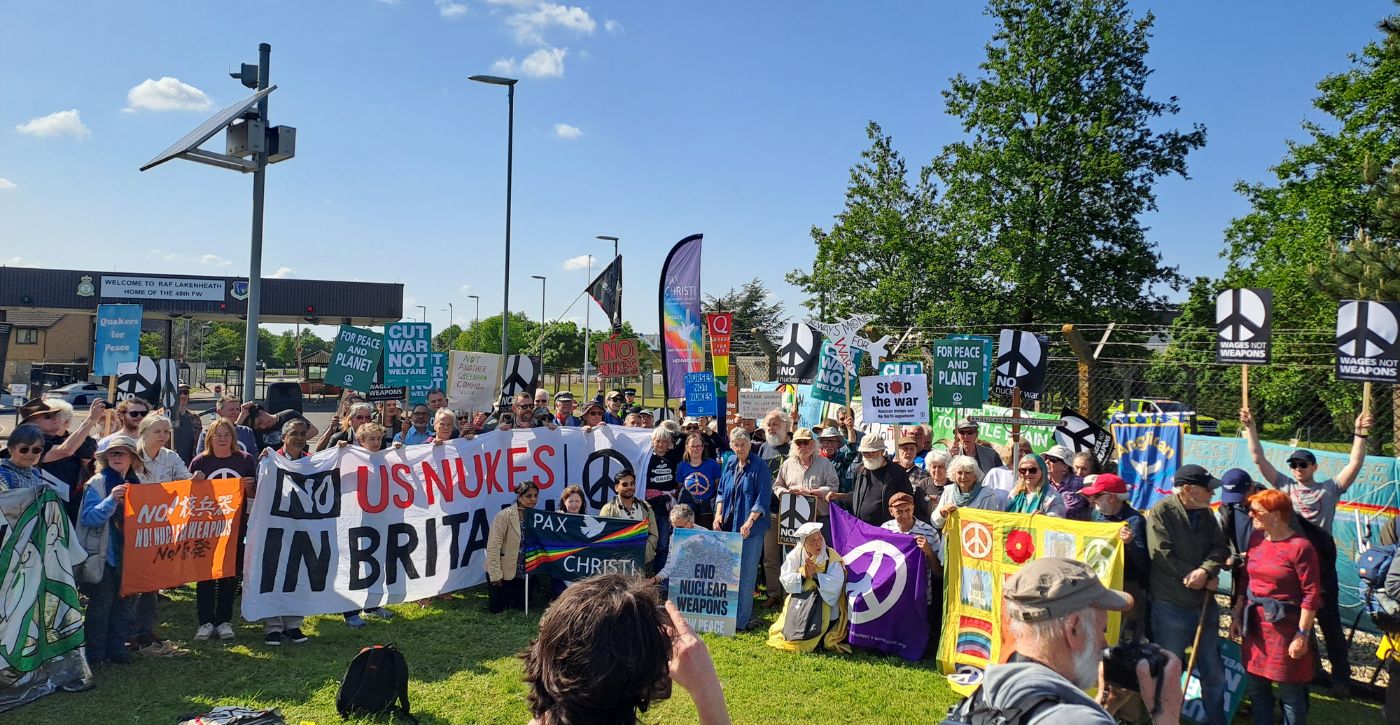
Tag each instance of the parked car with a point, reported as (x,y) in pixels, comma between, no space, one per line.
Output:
(1195,422)
(79,394)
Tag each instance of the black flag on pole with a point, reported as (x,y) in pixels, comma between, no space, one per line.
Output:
(606,290)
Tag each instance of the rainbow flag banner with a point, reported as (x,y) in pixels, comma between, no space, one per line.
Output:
(983,549)
(577,546)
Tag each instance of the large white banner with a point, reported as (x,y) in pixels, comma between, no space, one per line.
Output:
(348,529)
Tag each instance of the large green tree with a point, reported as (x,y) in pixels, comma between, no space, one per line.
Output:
(882,254)
(1321,200)
(1061,158)
(754,308)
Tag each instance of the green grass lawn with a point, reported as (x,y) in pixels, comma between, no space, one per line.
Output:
(465,669)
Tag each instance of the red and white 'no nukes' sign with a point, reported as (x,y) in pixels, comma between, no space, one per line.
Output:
(617,357)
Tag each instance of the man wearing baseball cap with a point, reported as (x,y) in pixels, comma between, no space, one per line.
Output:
(1317,501)
(1109,495)
(564,409)
(1188,550)
(1057,613)
(965,443)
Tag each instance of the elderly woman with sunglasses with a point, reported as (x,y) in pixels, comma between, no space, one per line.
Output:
(1033,493)
(20,469)
(1277,596)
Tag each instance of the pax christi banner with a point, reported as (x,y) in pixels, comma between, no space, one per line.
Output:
(682,336)
(41,630)
(348,529)
(886,582)
(576,546)
(984,548)
(180,532)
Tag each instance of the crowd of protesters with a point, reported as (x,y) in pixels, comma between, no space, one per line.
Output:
(1273,534)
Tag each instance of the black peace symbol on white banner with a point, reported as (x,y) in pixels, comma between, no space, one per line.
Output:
(521,375)
(1365,329)
(598,473)
(795,511)
(1020,353)
(1076,432)
(1240,315)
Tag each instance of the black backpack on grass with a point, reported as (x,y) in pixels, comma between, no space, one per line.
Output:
(376,682)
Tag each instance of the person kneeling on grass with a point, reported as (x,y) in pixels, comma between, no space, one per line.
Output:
(574,680)
(815,613)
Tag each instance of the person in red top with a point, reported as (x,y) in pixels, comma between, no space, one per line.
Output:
(1282,591)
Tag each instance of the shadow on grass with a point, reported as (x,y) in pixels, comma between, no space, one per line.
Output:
(445,640)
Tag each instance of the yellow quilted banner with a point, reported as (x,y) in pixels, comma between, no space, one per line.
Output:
(983,549)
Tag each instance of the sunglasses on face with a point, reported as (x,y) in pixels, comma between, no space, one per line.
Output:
(1257,512)
(462,419)
(1029,471)
(803,442)
(117,453)
(27,450)
(360,417)
(136,414)
(1295,465)
(1051,459)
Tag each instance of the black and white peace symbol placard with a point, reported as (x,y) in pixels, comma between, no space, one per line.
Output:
(794,511)
(1366,341)
(599,471)
(1021,361)
(522,375)
(140,379)
(1081,434)
(799,354)
(1244,326)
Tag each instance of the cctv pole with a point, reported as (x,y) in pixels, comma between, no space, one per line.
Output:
(250,343)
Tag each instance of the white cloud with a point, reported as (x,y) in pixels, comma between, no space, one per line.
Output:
(544,63)
(466,288)
(58,123)
(215,260)
(6,184)
(565,131)
(283,273)
(166,94)
(612,26)
(574,264)
(16,262)
(530,26)
(449,9)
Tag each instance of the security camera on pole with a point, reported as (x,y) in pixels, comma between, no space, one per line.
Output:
(248,136)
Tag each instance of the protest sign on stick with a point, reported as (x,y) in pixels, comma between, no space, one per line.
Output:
(700,394)
(617,358)
(118,337)
(895,399)
(354,359)
(408,347)
(793,511)
(473,379)
(799,354)
(754,404)
(704,578)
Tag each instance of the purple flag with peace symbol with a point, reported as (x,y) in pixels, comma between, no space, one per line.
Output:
(886,581)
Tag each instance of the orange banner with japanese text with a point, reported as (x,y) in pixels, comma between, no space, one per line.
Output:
(180,532)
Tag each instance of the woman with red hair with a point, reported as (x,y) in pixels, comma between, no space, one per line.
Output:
(1278,595)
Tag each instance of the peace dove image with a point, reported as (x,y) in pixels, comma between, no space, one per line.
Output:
(592,527)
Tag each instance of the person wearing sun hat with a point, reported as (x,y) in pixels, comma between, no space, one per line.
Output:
(106,621)
(812,573)
(1057,611)
(875,481)
(1188,550)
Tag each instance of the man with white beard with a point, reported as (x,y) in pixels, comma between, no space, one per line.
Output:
(1057,613)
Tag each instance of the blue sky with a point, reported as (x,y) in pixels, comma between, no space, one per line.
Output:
(648,121)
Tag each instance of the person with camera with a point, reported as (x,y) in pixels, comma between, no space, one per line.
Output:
(1057,613)
(571,679)
(1188,550)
